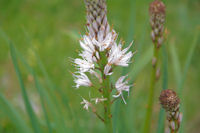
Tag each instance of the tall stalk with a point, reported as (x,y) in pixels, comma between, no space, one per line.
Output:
(107,105)
(100,54)
(157,19)
(106,85)
(151,92)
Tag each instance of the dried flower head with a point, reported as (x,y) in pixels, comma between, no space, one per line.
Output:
(169,100)
(157,20)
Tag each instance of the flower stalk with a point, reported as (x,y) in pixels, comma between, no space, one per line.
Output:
(157,19)
(106,93)
(101,53)
(107,104)
(151,93)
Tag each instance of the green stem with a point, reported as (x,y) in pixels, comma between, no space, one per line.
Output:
(107,104)
(147,124)
(106,94)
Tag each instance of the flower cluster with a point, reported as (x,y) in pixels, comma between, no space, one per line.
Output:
(100,52)
(157,20)
(170,102)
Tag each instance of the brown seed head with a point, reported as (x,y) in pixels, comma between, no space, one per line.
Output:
(169,100)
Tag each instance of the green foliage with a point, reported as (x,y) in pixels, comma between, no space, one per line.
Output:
(33,119)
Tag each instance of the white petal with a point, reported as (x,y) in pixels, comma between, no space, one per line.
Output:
(107,70)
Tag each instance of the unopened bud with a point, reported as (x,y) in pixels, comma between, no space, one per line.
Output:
(157,12)
(169,100)
(172,125)
(157,20)
(154,61)
(180,117)
(158,74)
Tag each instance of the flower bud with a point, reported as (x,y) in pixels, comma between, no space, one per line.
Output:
(169,100)
(157,19)
(172,125)
(97,18)
(158,74)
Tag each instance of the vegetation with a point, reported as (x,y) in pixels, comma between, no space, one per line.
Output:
(36,85)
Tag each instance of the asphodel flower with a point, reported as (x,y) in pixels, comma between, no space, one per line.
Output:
(121,86)
(100,53)
(86,104)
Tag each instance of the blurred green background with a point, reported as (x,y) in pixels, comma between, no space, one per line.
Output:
(45,34)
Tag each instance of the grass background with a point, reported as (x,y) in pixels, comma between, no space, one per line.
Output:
(38,37)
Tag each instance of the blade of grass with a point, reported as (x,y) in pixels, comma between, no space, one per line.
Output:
(125,70)
(42,102)
(14,116)
(45,94)
(59,120)
(30,111)
(131,123)
(175,62)
(161,118)
(138,67)
(51,85)
(188,61)
(185,70)
(144,60)
(49,101)
(31,71)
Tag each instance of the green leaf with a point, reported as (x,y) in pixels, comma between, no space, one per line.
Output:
(50,93)
(32,116)
(14,116)
(26,66)
(139,66)
(188,61)
(39,88)
(185,70)
(133,70)
(175,62)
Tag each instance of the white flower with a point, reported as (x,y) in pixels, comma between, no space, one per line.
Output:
(83,65)
(98,100)
(87,56)
(86,104)
(104,43)
(119,57)
(82,80)
(107,69)
(87,44)
(121,86)
(89,52)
